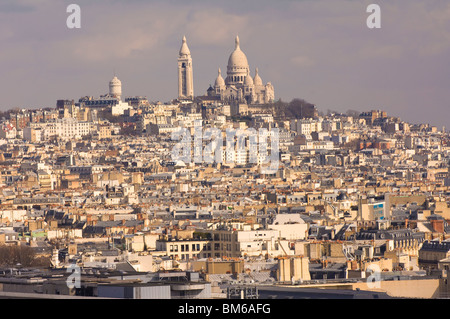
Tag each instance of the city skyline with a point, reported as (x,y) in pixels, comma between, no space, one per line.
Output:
(189,150)
(321,51)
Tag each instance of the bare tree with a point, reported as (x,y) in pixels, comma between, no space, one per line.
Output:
(14,255)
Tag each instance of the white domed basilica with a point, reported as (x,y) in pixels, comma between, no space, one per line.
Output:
(239,85)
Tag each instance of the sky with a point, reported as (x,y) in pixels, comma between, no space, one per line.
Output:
(318,50)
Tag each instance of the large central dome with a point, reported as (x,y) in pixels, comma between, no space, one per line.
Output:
(239,86)
(237,62)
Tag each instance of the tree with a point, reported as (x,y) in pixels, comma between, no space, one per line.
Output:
(353,113)
(299,108)
(23,255)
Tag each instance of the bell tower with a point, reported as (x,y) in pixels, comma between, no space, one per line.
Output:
(185,77)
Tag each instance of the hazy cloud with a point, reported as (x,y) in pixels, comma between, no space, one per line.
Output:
(302,61)
(318,50)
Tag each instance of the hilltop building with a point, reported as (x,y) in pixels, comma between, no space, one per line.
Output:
(239,85)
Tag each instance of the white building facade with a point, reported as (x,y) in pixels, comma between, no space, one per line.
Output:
(239,85)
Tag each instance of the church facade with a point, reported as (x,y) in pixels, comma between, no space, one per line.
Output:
(239,85)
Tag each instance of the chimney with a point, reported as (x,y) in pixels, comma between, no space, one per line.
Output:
(438,225)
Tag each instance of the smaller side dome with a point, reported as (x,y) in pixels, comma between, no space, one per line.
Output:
(248,81)
(219,80)
(257,79)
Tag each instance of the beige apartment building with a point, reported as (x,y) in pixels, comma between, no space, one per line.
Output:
(247,242)
(184,249)
(237,240)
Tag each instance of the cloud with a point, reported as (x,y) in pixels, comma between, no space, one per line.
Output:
(105,47)
(385,52)
(215,26)
(342,62)
(302,61)
(21,6)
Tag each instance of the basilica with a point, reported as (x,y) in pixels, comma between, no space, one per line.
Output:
(238,85)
